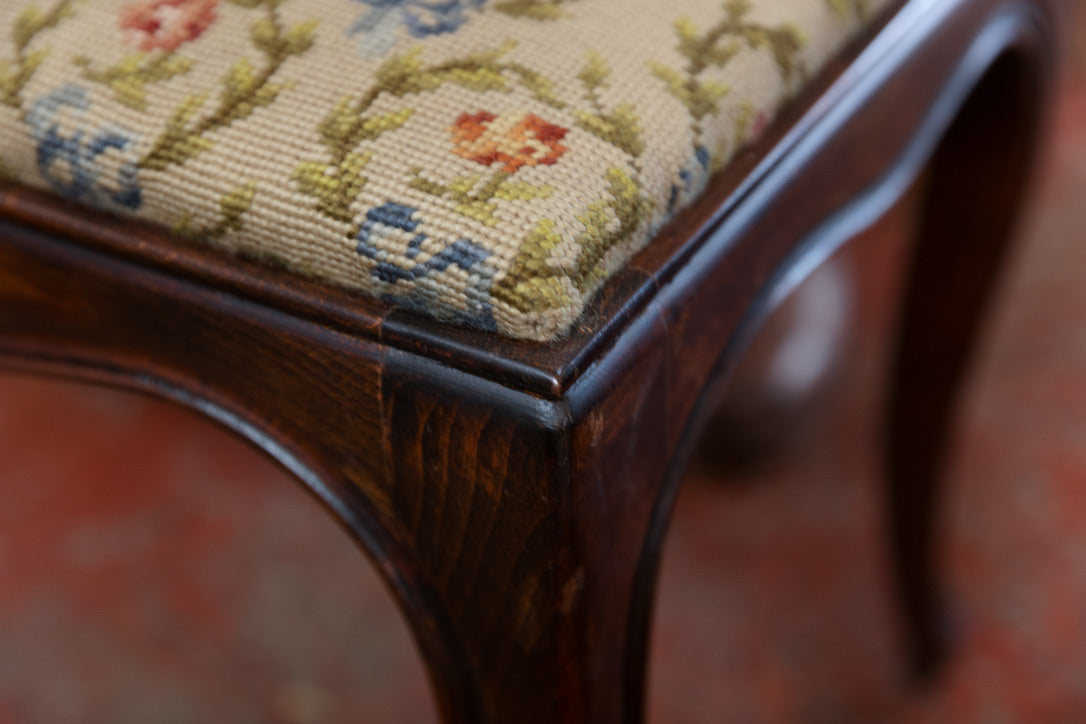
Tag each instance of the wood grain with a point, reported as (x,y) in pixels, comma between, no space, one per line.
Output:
(515,495)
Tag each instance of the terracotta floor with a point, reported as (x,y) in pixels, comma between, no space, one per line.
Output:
(154,569)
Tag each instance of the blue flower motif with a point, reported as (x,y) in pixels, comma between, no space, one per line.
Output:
(71,163)
(422,18)
(389,225)
(693,177)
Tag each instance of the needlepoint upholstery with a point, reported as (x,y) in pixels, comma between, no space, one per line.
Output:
(487,162)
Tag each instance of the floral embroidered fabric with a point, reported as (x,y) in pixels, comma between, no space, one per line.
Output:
(487,162)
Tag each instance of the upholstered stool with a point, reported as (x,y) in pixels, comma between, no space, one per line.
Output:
(476,271)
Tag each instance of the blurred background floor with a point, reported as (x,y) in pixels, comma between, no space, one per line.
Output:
(155,569)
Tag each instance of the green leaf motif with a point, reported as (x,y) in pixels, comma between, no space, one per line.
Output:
(300,38)
(595,73)
(245,88)
(343,128)
(235,204)
(541,87)
(31,21)
(537,281)
(15,73)
(129,78)
(335,186)
(474,196)
(522,191)
(265,36)
(533,283)
(184,112)
(701,98)
(618,128)
(537,9)
(348,124)
(427,186)
(716,47)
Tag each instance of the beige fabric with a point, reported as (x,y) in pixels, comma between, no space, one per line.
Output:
(490,162)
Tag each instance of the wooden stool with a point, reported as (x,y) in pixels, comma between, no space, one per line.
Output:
(513,493)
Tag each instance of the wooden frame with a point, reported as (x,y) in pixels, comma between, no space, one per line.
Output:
(515,495)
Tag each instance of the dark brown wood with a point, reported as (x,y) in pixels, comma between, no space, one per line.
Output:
(977,181)
(515,495)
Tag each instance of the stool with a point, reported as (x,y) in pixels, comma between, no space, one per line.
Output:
(477,271)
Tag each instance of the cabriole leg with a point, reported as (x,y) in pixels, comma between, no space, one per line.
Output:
(974,192)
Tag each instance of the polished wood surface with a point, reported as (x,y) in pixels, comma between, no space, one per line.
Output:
(515,495)
(970,208)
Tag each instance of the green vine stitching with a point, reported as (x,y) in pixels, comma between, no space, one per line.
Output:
(538,9)
(130,77)
(232,206)
(244,89)
(474,199)
(473,195)
(535,283)
(715,48)
(336,182)
(16,73)
(617,127)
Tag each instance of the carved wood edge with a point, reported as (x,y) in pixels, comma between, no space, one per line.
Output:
(546,369)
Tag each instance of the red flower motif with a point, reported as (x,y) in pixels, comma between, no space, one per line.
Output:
(166,24)
(514,140)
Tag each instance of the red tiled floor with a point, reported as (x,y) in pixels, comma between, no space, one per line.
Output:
(153,568)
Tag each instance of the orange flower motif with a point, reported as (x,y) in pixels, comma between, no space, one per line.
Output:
(166,24)
(514,140)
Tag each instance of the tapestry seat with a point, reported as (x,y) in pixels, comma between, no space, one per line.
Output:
(486,162)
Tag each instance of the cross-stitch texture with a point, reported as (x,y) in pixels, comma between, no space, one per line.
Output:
(488,162)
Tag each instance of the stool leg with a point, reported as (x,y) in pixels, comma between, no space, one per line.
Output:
(974,190)
(513,531)
(515,539)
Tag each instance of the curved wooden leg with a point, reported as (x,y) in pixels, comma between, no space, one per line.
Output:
(526,526)
(976,183)
(516,570)
(509,527)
